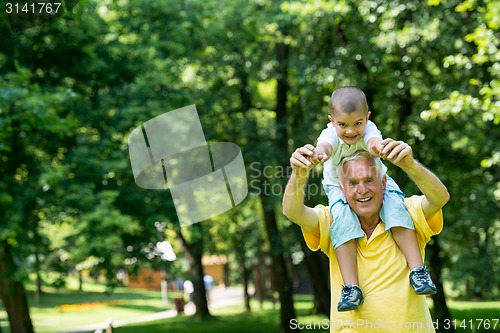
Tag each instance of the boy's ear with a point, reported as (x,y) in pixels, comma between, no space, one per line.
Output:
(330,118)
(368,115)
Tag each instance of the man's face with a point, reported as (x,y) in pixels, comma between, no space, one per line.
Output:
(363,188)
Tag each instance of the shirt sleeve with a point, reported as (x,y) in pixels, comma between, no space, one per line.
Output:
(371,131)
(328,135)
(319,239)
(425,228)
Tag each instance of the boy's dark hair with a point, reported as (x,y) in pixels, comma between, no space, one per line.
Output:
(348,99)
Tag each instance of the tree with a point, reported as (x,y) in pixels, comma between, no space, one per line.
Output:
(33,121)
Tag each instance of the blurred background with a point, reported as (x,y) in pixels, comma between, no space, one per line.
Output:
(260,72)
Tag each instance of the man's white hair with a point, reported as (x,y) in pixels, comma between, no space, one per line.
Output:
(360,155)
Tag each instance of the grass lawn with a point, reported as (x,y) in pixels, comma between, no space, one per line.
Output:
(68,309)
(267,320)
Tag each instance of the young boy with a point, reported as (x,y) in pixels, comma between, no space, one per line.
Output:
(350,130)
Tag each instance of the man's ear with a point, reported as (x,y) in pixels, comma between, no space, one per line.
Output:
(384,181)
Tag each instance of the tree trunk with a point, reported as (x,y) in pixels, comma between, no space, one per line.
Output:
(80,281)
(194,249)
(258,278)
(13,294)
(38,281)
(319,276)
(245,275)
(238,244)
(441,311)
(279,273)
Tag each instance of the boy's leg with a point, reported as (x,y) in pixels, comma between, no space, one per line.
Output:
(398,220)
(343,232)
(346,258)
(406,239)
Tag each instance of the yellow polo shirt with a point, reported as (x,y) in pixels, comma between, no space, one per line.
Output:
(390,303)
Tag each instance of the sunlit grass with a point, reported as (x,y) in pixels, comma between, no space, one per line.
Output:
(68,309)
(65,309)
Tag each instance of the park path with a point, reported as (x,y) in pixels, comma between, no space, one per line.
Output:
(220,297)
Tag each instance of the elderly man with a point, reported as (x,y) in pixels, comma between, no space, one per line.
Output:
(390,305)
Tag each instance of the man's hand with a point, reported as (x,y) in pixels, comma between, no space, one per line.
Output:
(302,158)
(398,153)
(435,193)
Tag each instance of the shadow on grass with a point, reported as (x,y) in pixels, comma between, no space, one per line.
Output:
(53,299)
(144,308)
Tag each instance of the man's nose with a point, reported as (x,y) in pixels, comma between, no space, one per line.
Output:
(361,188)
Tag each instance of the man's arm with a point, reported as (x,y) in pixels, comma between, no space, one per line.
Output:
(293,198)
(435,193)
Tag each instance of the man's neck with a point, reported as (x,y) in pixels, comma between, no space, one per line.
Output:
(369,224)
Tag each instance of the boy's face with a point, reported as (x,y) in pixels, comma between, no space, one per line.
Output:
(349,127)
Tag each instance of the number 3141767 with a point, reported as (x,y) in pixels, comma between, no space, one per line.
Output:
(32,8)
(471,324)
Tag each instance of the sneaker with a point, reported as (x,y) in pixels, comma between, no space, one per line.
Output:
(351,298)
(421,282)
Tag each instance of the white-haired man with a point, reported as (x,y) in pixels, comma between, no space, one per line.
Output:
(390,305)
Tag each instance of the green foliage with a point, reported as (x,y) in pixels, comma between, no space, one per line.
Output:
(72,90)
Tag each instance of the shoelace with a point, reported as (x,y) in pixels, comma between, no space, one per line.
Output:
(347,294)
(420,276)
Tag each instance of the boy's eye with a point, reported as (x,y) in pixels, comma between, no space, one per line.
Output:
(341,125)
(359,123)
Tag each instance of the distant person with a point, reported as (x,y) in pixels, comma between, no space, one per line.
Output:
(348,131)
(180,284)
(188,290)
(390,304)
(208,280)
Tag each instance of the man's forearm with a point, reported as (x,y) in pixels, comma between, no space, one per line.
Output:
(293,198)
(429,184)
(293,201)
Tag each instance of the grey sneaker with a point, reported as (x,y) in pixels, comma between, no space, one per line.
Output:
(421,282)
(351,298)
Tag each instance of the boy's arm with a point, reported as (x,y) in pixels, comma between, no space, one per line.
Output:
(322,152)
(435,193)
(374,146)
(293,198)
(373,138)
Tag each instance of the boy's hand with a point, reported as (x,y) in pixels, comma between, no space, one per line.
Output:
(319,157)
(376,149)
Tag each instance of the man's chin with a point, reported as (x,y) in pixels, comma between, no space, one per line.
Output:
(363,209)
